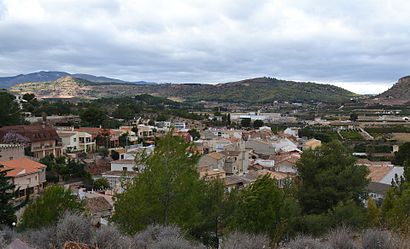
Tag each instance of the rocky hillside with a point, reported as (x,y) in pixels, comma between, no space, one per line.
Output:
(398,94)
(46,76)
(257,90)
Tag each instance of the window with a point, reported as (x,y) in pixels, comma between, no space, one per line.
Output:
(124,168)
(75,139)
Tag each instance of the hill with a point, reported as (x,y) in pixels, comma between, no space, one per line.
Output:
(257,90)
(48,76)
(398,94)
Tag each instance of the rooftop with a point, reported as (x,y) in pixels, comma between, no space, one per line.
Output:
(21,166)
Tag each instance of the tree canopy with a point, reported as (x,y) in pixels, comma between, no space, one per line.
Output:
(329,176)
(9,111)
(7,192)
(46,209)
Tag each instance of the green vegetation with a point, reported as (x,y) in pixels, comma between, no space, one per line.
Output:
(7,193)
(62,168)
(101,183)
(322,133)
(329,177)
(9,110)
(402,155)
(351,135)
(46,209)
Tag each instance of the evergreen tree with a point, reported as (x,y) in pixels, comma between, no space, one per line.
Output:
(329,176)
(46,209)
(7,192)
(168,191)
(9,111)
(257,208)
(373,213)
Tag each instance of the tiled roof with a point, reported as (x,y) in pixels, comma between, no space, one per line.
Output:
(97,204)
(34,133)
(21,166)
(216,155)
(377,173)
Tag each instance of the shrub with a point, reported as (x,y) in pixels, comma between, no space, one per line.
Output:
(340,238)
(109,237)
(378,239)
(306,242)
(162,237)
(73,227)
(238,240)
(43,238)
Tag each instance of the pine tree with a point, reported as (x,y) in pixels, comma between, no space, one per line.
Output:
(168,191)
(7,192)
(373,213)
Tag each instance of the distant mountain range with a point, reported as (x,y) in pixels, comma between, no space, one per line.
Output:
(256,90)
(47,76)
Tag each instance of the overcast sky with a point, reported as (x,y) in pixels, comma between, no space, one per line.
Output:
(363,46)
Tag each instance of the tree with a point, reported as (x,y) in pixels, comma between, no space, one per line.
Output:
(93,116)
(373,213)
(101,183)
(257,208)
(354,117)
(7,192)
(115,155)
(168,191)
(257,124)
(402,155)
(9,111)
(246,122)
(103,151)
(328,176)
(46,209)
(194,134)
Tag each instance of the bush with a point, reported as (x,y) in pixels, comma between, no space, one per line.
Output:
(237,240)
(340,238)
(43,238)
(378,239)
(305,242)
(109,237)
(315,224)
(73,227)
(162,237)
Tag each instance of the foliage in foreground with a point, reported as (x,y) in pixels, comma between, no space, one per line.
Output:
(46,209)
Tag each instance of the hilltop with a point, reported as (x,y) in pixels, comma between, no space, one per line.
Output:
(257,90)
(48,76)
(398,94)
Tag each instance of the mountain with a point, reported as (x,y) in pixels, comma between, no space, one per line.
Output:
(398,94)
(47,76)
(251,91)
(42,76)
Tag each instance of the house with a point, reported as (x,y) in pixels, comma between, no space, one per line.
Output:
(41,140)
(99,209)
(214,160)
(123,165)
(145,131)
(237,161)
(27,175)
(209,173)
(312,144)
(378,191)
(261,148)
(280,177)
(286,162)
(11,151)
(116,179)
(102,137)
(236,182)
(75,140)
(284,145)
(291,132)
(381,172)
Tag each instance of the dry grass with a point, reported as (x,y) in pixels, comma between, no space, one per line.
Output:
(401,137)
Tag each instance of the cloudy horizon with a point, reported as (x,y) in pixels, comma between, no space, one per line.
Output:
(363,46)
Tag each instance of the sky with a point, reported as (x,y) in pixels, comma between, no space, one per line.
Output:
(361,45)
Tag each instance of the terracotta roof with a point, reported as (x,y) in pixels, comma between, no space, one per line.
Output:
(377,173)
(216,155)
(97,204)
(75,245)
(273,174)
(34,133)
(21,166)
